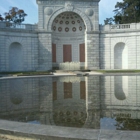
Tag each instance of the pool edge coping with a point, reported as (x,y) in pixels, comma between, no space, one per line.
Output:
(42,132)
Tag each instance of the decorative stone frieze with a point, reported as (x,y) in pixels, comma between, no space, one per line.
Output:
(62,2)
(69,6)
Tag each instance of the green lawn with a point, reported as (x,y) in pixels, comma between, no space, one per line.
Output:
(29,73)
(26,73)
(118,71)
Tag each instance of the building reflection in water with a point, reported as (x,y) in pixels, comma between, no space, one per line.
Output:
(98,102)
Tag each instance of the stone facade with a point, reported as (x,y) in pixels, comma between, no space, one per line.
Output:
(73,28)
(18,49)
(119,46)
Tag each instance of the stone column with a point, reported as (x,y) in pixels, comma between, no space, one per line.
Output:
(40,16)
(92,50)
(93,103)
(46,101)
(4,52)
(45,51)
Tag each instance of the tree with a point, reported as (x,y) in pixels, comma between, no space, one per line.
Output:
(15,15)
(109,21)
(1,18)
(127,11)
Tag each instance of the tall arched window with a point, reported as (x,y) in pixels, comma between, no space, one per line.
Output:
(15,57)
(121,56)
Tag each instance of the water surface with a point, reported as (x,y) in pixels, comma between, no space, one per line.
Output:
(96,102)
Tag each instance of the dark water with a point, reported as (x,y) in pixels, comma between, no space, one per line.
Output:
(97,102)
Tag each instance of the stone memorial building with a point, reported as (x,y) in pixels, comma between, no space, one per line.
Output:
(68,36)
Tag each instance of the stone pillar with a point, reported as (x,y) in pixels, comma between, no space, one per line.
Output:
(40,16)
(45,98)
(3,54)
(92,50)
(93,103)
(45,51)
(93,93)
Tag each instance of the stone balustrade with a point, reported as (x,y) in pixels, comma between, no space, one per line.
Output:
(69,66)
(7,25)
(119,27)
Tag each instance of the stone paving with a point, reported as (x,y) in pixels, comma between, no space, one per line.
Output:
(23,131)
(10,137)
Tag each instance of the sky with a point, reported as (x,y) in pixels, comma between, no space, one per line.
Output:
(30,7)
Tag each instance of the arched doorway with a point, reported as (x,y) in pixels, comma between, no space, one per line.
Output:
(120,56)
(69,106)
(68,40)
(15,57)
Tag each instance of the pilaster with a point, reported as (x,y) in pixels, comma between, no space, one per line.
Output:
(45,51)
(92,50)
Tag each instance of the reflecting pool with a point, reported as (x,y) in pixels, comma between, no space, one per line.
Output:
(96,102)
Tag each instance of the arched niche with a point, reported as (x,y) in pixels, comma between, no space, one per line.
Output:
(68,39)
(120,56)
(76,11)
(16,87)
(69,110)
(121,87)
(15,57)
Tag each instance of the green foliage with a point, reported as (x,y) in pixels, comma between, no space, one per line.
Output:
(1,18)
(14,15)
(127,11)
(26,73)
(118,71)
(109,21)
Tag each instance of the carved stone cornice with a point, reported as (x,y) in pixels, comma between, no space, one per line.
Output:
(62,2)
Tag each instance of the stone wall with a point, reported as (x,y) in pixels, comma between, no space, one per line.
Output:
(92,51)
(51,10)
(119,90)
(45,52)
(17,94)
(111,52)
(29,47)
(26,97)
(18,47)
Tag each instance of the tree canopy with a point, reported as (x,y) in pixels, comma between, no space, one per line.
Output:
(14,15)
(1,18)
(127,11)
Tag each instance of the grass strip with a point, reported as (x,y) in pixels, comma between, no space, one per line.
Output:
(118,71)
(26,73)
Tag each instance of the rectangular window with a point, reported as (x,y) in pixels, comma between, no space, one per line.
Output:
(54,91)
(67,56)
(53,52)
(82,52)
(83,90)
(67,90)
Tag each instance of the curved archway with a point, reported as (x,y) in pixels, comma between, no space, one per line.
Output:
(121,87)
(78,12)
(69,110)
(16,91)
(15,57)
(121,56)
(68,41)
